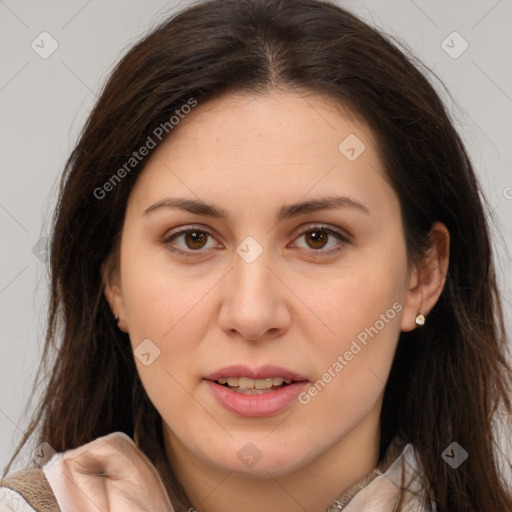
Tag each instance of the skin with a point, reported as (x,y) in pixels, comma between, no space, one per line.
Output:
(292,306)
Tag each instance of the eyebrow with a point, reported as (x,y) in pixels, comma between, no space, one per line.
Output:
(285,212)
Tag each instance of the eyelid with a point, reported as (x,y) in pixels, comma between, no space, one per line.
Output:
(168,237)
(321,226)
(343,237)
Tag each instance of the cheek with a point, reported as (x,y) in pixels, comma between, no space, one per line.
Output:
(170,312)
(350,374)
(168,308)
(160,301)
(355,300)
(362,308)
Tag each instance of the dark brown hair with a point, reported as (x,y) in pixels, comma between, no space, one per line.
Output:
(448,380)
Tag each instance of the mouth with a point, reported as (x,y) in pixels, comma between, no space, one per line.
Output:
(249,386)
(255,392)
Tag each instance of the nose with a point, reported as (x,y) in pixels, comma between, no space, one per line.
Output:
(254,299)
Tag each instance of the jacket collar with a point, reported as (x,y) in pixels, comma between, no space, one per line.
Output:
(379,490)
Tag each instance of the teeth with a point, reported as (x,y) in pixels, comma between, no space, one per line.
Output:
(247,383)
(244,383)
(263,383)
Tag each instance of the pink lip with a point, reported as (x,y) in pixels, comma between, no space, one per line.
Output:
(263,372)
(256,406)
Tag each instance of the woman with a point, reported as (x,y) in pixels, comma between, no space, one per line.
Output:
(271,269)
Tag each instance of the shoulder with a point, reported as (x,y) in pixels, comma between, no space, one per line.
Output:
(27,491)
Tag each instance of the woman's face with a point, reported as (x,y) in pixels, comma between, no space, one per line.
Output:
(263,242)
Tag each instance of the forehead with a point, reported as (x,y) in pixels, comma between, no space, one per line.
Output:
(278,123)
(264,147)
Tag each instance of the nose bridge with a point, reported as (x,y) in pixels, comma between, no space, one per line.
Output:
(252,303)
(251,275)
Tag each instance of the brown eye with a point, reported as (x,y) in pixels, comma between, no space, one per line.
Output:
(317,239)
(189,242)
(195,239)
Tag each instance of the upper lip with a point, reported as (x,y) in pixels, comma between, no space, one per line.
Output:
(263,372)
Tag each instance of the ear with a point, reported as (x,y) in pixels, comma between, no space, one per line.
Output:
(112,289)
(427,278)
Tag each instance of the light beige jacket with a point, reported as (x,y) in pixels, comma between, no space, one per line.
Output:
(60,485)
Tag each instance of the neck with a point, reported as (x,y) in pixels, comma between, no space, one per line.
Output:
(310,488)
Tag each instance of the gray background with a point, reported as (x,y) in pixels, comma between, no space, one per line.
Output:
(44,103)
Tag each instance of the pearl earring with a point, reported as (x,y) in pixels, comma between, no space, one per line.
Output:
(420,318)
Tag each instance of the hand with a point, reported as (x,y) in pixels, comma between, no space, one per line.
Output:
(109,474)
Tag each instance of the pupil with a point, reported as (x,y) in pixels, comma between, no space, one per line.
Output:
(195,237)
(318,237)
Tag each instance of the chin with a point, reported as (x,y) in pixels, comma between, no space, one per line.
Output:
(258,459)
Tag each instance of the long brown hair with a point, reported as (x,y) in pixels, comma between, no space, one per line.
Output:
(448,379)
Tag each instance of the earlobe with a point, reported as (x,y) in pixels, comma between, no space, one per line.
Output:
(427,280)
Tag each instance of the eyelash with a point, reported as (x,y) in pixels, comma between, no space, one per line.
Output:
(166,241)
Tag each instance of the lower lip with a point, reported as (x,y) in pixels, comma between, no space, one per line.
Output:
(257,406)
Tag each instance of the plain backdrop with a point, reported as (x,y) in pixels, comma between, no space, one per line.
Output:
(44,102)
